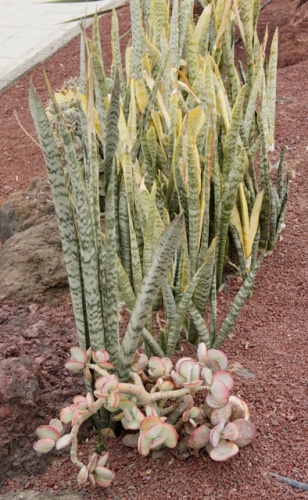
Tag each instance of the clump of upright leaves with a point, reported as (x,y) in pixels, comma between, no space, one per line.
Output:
(181,139)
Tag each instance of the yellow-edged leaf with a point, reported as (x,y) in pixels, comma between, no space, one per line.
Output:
(255,217)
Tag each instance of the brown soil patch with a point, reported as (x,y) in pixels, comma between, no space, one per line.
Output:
(269,340)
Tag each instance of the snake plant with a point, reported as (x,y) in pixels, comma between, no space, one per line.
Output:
(175,137)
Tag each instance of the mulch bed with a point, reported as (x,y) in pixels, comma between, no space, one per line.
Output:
(269,339)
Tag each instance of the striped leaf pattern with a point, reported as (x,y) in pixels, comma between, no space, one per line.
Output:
(176,132)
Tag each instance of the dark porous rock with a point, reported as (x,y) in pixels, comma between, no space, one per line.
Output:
(19,391)
(24,210)
(32,265)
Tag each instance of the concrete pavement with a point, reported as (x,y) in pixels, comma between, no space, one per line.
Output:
(30,31)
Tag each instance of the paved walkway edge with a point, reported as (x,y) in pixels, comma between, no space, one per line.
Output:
(11,78)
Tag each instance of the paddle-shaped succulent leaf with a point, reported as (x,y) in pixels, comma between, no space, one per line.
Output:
(218,395)
(78,360)
(44,445)
(223,451)
(101,358)
(155,432)
(159,367)
(239,408)
(187,373)
(95,472)
(221,414)
(140,362)
(64,441)
(198,438)
(165,384)
(246,432)
(132,415)
(105,385)
(212,358)
(49,435)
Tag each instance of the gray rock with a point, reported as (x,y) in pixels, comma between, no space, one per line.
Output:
(24,210)
(35,495)
(32,266)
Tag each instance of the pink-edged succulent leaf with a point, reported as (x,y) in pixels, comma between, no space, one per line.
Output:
(114,400)
(102,460)
(64,441)
(192,385)
(165,385)
(196,413)
(198,438)
(221,414)
(92,481)
(149,422)
(144,444)
(44,445)
(103,476)
(239,408)
(170,435)
(183,366)
(79,354)
(157,442)
(92,463)
(213,365)
(202,352)
(78,360)
(185,403)
(48,431)
(224,377)
(207,375)
(168,365)
(138,415)
(83,476)
(185,416)
(105,384)
(223,451)
(156,367)
(66,414)
(195,373)
(140,363)
(74,366)
(79,399)
(57,424)
(90,399)
(231,432)
(219,357)
(132,415)
(151,410)
(216,434)
(218,395)
(87,374)
(128,422)
(104,473)
(177,379)
(80,403)
(247,432)
(101,358)
(190,426)
(75,418)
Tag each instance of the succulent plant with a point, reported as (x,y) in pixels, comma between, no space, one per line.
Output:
(220,425)
(95,472)
(159,367)
(50,436)
(187,373)
(155,432)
